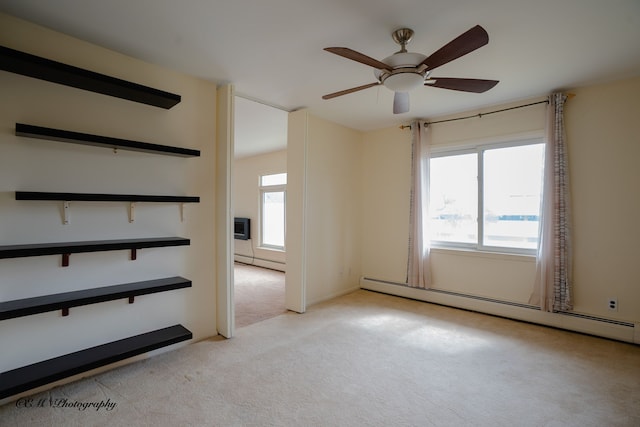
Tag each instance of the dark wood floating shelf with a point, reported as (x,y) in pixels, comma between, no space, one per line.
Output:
(67,248)
(65,301)
(57,72)
(95,197)
(45,372)
(60,135)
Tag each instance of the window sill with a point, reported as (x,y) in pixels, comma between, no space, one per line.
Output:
(484,254)
(269,248)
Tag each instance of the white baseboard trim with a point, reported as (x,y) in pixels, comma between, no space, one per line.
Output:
(606,328)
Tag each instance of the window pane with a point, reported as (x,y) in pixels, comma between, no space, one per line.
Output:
(512,191)
(453,201)
(275,179)
(273,223)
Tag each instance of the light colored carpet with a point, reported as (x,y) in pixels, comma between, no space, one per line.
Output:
(258,294)
(366,359)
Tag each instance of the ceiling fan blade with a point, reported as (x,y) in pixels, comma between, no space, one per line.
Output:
(353,89)
(465,43)
(401,102)
(464,85)
(345,52)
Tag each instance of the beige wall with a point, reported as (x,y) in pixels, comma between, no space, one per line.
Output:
(323,207)
(334,209)
(604,150)
(36,165)
(386,167)
(246,199)
(603,147)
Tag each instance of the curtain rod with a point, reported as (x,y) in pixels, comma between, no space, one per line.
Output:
(546,101)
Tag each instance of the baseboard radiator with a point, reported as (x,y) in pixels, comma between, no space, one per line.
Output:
(259,262)
(602,327)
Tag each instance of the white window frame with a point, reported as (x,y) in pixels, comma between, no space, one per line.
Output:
(271,189)
(479,149)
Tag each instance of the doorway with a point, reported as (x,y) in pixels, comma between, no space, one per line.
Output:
(260,147)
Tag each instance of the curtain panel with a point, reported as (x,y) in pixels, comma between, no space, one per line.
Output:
(418,269)
(553,284)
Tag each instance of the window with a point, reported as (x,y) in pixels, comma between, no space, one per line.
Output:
(487,198)
(453,203)
(272,210)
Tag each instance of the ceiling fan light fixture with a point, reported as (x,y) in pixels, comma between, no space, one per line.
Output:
(403,82)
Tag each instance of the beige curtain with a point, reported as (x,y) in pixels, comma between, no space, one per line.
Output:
(553,286)
(418,270)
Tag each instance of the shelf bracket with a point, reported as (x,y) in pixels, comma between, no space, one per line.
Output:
(132,210)
(65,212)
(181,212)
(132,299)
(65,312)
(134,254)
(65,260)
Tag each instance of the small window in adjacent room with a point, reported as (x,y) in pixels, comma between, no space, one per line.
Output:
(272,210)
(487,197)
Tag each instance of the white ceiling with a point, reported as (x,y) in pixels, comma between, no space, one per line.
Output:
(273,50)
(259,128)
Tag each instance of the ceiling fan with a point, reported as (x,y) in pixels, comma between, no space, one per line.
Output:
(404,71)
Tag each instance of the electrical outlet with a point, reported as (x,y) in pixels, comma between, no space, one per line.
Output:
(612,304)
